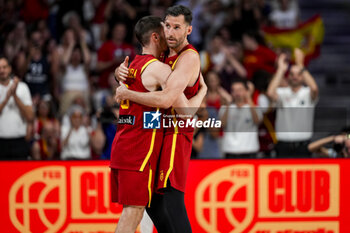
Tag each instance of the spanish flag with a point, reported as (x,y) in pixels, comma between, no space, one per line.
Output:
(308,36)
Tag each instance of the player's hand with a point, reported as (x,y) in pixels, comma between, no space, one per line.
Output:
(120,93)
(121,72)
(282,63)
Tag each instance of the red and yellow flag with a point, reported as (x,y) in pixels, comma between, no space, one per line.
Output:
(308,36)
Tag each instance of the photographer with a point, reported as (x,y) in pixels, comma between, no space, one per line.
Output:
(340,147)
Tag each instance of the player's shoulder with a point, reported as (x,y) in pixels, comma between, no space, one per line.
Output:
(189,56)
(157,66)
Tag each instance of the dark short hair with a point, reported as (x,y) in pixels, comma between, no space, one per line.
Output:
(5,58)
(244,82)
(180,10)
(145,27)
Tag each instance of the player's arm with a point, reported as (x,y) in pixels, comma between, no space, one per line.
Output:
(189,107)
(187,66)
(159,72)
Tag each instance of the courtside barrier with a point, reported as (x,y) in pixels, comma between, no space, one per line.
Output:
(259,196)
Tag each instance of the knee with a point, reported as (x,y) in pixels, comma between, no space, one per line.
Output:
(133,211)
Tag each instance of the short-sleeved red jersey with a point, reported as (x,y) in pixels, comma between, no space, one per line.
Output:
(133,145)
(189,91)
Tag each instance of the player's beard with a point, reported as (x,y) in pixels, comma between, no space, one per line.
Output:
(177,42)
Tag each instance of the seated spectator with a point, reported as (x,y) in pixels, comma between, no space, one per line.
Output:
(108,119)
(240,121)
(98,142)
(206,145)
(267,137)
(199,133)
(47,147)
(216,95)
(257,56)
(75,63)
(45,114)
(286,16)
(76,137)
(340,146)
(15,113)
(294,102)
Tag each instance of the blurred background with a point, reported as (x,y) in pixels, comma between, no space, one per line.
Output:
(65,52)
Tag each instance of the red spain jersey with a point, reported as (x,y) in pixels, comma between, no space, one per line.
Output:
(136,141)
(189,91)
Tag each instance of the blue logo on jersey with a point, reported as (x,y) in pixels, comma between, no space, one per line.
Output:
(151,120)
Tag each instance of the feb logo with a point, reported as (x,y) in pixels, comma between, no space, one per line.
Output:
(151,120)
(224,200)
(37,200)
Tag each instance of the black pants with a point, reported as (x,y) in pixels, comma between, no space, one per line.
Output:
(293,149)
(14,149)
(168,212)
(240,156)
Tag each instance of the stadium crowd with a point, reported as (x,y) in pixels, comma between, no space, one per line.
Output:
(57,78)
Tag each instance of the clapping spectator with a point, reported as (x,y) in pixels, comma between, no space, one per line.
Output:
(295,106)
(75,138)
(16,41)
(72,20)
(75,65)
(15,113)
(240,121)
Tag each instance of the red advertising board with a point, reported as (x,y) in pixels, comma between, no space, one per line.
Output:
(260,196)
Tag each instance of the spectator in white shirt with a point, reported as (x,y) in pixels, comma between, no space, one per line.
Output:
(15,113)
(75,64)
(286,16)
(240,121)
(295,107)
(75,138)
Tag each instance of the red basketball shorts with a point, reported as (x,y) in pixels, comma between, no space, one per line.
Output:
(130,187)
(174,161)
